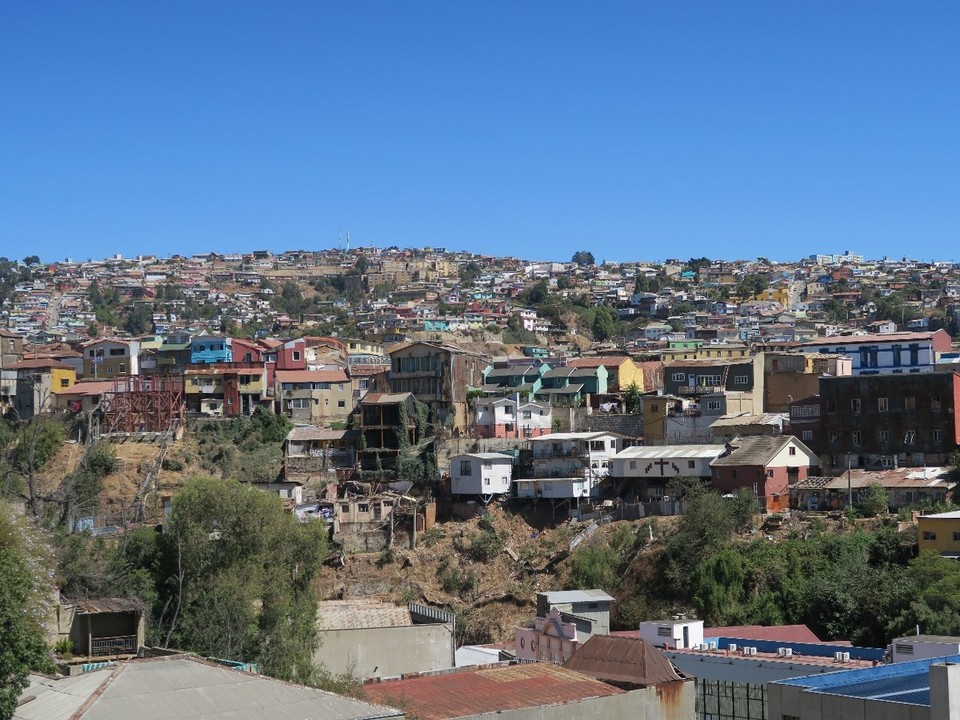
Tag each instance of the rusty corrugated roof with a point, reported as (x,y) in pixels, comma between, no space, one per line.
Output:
(622,660)
(473,692)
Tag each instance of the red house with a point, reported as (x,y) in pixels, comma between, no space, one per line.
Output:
(766,465)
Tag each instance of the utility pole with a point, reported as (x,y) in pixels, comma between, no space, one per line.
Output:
(849,485)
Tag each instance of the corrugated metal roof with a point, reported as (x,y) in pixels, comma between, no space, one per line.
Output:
(755,450)
(575,596)
(622,660)
(355,614)
(655,452)
(106,605)
(473,692)
(309,432)
(311,376)
(178,687)
(776,633)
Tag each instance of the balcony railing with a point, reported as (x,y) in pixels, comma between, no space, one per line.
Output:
(699,389)
(118,645)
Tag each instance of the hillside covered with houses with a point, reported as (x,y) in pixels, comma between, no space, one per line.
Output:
(491,460)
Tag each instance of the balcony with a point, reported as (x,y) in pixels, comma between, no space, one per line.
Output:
(699,389)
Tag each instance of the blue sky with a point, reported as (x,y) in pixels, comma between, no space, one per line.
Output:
(635,130)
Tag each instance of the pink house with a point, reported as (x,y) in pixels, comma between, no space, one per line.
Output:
(512,418)
(549,640)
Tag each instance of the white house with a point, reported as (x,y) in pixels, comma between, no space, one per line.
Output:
(678,634)
(575,454)
(554,488)
(484,474)
(886,353)
(652,467)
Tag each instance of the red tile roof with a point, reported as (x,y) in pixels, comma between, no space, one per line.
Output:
(311,376)
(40,364)
(773,633)
(473,692)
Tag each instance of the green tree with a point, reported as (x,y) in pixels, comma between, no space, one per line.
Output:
(242,580)
(139,320)
(751,285)
(632,398)
(604,326)
(24,596)
(583,257)
(874,501)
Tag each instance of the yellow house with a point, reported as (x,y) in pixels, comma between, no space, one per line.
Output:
(621,371)
(940,533)
(37,381)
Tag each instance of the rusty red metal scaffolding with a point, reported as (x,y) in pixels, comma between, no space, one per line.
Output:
(137,404)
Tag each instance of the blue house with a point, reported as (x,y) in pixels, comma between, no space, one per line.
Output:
(208,349)
(436,324)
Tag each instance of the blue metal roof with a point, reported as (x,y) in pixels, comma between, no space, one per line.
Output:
(906,682)
(800,648)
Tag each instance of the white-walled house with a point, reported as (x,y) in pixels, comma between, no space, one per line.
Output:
(648,469)
(677,634)
(482,474)
(575,454)
(569,466)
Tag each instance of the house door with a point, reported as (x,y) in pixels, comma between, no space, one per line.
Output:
(686,637)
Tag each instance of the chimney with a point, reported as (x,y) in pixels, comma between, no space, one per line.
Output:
(945,691)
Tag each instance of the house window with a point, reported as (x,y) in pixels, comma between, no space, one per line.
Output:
(341,403)
(831,406)
(909,437)
(64,382)
(527,414)
(832,436)
(856,437)
(792,450)
(807,435)
(363,507)
(486,481)
(713,404)
(886,462)
(296,354)
(909,403)
(740,379)
(956,537)
(466,468)
(691,464)
(678,377)
(248,357)
(884,436)
(116,352)
(929,535)
(769,473)
(654,407)
(598,445)
(935,403)
(109,371)
(633,464)
(883,404)
(937,435)
(855,405)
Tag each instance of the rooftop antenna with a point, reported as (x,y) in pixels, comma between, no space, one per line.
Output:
(348,241)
